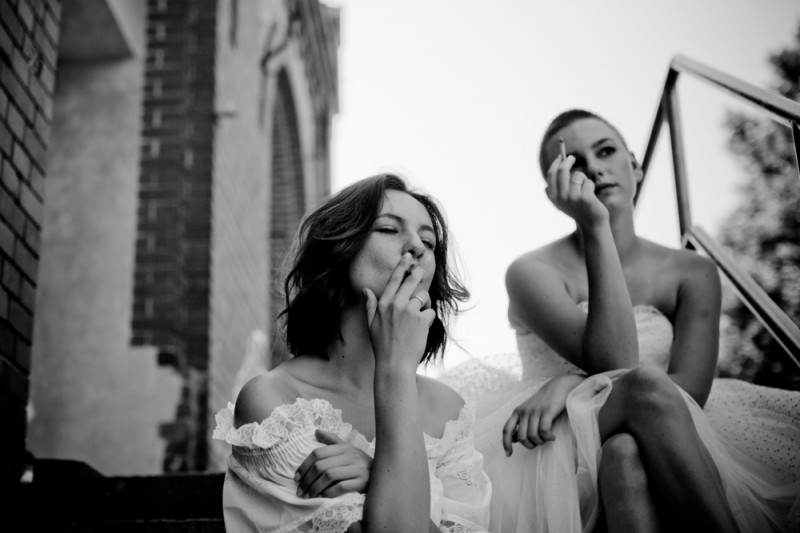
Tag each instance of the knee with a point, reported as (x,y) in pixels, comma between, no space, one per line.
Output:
(621,464)
(650,395)
(619,450)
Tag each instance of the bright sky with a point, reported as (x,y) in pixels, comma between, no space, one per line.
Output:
(455,95)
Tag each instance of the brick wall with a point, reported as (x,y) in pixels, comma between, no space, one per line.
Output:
(230,159)
(172,268)
(28,38)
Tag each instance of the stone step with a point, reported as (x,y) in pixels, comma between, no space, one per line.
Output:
(210,525)
(71,496)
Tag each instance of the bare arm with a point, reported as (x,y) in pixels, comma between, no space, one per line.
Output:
(606,339)
(398,497)
(695,348)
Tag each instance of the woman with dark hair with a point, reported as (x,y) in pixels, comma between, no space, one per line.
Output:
(620,335)
(345,436)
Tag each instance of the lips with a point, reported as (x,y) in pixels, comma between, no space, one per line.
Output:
(602,187)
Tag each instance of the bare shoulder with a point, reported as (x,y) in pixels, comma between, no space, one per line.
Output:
(683,273)
(444,402)
(547,260)
(687,265)
(261,395)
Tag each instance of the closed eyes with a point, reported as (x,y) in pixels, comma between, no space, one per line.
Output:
(390,230)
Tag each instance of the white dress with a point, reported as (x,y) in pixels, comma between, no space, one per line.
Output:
(752,433)
(259,493)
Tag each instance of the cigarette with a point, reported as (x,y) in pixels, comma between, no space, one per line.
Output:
(563,147)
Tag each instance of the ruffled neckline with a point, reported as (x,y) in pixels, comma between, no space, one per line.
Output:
(319,413)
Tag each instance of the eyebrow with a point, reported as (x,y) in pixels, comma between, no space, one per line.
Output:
(601,141)
(401,220)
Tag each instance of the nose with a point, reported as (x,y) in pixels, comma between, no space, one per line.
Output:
(414,245)
(593,169)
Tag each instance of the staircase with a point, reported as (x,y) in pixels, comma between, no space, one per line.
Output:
(70,496)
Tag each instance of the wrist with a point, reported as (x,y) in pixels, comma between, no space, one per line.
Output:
(594,227)
(394,371)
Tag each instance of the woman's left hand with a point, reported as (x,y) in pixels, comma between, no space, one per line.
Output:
(531,422)
(334,469)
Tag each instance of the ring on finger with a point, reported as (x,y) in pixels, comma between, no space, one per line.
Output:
(421,301)
(577,181)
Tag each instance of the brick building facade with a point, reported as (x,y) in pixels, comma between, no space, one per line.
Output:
(29,33)
(187,140)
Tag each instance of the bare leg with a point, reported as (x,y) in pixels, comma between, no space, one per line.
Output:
(646,404)
(624,491)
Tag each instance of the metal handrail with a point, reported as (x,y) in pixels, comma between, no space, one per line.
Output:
(781,109)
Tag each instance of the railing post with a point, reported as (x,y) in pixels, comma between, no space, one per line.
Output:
(796,138)
(774,319)
(678,160)
(651,144)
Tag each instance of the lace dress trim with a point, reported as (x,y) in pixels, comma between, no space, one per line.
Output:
(288,421)
(269,451)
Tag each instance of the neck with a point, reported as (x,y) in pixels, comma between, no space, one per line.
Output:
(352,356)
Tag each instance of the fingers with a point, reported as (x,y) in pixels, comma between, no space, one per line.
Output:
(335,468)
(529,428)
(522,432)
(317,455)
(343,487)
(421,297)
(508,433)
(552,190)
(410,284)
(546,428)
(559,176)
(326,437)
(397,278)
(317,468)
(563,178)
(329,477)
(371,304)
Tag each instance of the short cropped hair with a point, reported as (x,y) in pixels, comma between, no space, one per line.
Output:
(317,288)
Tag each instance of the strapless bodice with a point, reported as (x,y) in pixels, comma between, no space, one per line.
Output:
(540,361)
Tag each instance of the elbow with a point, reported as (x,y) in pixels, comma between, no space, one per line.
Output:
(615,358)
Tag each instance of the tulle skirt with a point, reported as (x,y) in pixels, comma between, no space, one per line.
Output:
(751,432)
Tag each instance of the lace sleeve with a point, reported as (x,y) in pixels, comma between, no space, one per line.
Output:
(260,493)
(466,491)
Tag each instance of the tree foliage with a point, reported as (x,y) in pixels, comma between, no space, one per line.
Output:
(763,234)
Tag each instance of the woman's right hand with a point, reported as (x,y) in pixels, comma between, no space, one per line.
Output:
(333,469)
(400,319)
(531,422)
(573,193)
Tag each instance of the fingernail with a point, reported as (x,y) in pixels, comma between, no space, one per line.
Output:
(297,476)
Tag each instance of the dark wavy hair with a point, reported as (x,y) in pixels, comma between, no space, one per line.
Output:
(317,288)
(562,121)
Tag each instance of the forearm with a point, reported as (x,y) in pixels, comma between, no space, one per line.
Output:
(698,391)
(610,339)
(399,487)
